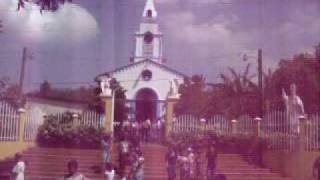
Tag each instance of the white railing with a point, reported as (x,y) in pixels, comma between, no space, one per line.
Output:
(187,123)
(92,118)
(86,118)
(278,130)
(9,122)
(219,125)
(246,125)
(34,119)
(312,132)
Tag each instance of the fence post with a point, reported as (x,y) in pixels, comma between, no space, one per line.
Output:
(302,133)
(22,122)
(108,110)
(257,121)
(76,119)
(234,126)
(301,147)
(203,122)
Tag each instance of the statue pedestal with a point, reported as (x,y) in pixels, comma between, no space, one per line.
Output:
(108,124)
(171,102)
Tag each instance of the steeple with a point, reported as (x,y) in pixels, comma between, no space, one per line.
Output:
(149,43)
(149,10)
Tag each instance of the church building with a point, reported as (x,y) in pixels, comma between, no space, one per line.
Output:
(147,80)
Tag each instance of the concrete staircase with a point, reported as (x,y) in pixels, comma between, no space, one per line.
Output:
(50,164)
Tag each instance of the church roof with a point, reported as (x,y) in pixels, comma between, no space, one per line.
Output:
(166,68)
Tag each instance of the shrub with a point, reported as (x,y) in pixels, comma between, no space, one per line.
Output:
(62,132)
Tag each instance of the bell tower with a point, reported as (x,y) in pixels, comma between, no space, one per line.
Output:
(148,39)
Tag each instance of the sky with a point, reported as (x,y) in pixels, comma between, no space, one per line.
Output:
(81,40)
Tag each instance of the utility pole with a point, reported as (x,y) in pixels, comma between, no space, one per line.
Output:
(260,81)
(22,72)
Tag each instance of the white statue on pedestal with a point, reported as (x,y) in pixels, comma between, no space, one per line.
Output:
(174,89)
(105,85)
(294,107)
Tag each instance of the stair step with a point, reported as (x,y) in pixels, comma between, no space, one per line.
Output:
(50,164)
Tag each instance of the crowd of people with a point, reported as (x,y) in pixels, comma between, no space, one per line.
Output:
(147,130)
(187,163)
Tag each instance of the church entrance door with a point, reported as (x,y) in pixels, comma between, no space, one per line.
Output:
(146,105)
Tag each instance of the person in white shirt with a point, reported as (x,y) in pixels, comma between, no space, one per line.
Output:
(19,168)
(109,172)
(73,173)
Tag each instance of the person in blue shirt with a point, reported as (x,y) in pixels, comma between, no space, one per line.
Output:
(105,144)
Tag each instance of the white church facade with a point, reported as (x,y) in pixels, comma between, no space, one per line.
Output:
(147,80)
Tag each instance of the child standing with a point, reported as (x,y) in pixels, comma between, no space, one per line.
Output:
(19,168)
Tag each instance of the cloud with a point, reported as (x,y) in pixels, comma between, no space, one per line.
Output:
(71,20)
(300,31)
(212,42)
(218,38)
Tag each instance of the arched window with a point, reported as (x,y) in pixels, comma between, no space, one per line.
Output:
(148,45)
(149,13)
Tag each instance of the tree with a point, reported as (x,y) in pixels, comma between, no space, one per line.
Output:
(45,89)
(240,94)
(49,5)
(4,81)
(9,91)
(194,98)
(302,70)
(120,108)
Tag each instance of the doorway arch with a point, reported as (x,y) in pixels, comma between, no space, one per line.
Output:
(146,104)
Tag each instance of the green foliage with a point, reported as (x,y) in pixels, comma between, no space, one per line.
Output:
(240,93)
(235,96)
(49,5)
(303,70)
(193,99)
(61,132)
(120,108)
(10,92)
